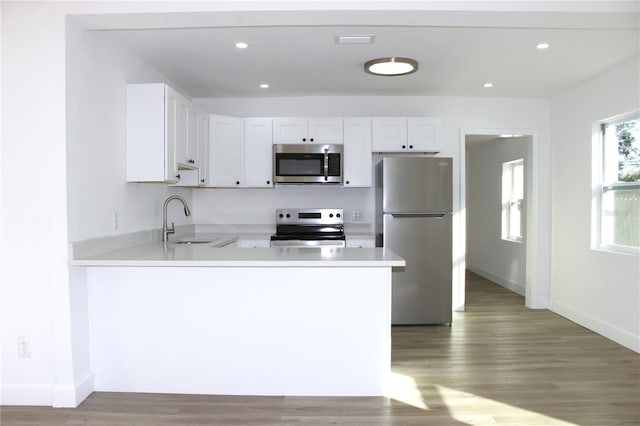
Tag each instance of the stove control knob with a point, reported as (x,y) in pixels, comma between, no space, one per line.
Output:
(337,214)
(288,215)
(330,214)
(281,215)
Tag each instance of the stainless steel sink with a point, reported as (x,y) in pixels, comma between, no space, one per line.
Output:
(193,242)
(211,241)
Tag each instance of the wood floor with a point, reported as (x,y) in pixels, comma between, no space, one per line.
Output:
(500,363)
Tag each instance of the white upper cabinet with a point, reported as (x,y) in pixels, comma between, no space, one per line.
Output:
(397,134)
(389,134)
(202,160)
(196,172)
(182,133)
(258,153)
(321,130)
(326,130)
(189,151)
(357,164)
(151,133)
(424,134)
(226,151)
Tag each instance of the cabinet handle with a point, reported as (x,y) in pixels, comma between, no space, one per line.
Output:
(268,182)
(311,140)
(178,176)
(347,182)
(237,182)
(404,147)
(410,146)
(202,180)
(192,161)
(304,139)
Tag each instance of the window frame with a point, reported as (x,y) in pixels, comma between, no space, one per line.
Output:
(600,187)
(508,201)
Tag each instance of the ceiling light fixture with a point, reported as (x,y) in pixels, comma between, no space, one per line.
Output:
(487,85)
(542,46)
(264,86)
(391,66)
(241,45)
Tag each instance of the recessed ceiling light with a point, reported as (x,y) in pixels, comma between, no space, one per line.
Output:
(542,46)
(391,66)
(264,86)
(487,85)
(241,45)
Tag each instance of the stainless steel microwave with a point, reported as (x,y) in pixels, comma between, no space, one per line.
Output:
(307,163)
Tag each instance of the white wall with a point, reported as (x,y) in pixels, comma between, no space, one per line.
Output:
(34,213)
(597,289)
(257,206)
(487,253)
(62,178)
(97,74)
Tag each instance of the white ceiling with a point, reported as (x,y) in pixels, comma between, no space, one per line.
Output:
(296,53)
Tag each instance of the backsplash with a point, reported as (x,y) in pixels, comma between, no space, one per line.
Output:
(257,206)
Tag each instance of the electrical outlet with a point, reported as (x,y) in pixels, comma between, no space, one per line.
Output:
(115,221)
(24,347)
(358,216)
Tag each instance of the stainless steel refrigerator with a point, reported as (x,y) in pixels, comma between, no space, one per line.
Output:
(416,209)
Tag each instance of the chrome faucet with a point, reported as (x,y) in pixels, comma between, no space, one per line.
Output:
(165,229)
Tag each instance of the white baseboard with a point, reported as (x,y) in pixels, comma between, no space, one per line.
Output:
(604,328)
(36,395)
(515,287)
(72,396)
(48,395)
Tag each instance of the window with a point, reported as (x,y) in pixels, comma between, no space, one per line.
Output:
(512,200)
(619,186)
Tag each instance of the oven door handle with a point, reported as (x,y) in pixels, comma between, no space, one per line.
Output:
(326,165)
(307,243)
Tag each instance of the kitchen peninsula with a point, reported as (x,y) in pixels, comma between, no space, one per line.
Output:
(196,318)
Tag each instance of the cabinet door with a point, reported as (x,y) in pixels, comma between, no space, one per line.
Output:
(192,136)
(258,153)
(203,149)
(290,130)
(182,131)
(357,164)
(325,130)
(171,118)
(389,134)
(360,242)
(424,134)
(225,151)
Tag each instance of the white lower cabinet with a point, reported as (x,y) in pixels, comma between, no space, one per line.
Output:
(361,242)
(357,167)
(253,243)
(226,152)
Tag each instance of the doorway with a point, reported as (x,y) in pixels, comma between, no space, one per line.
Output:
(498,208)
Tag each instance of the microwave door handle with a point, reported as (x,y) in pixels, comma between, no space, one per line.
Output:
(326,165)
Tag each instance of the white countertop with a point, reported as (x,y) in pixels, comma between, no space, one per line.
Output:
(205,255)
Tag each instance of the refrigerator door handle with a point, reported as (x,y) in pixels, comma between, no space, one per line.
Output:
(431,214)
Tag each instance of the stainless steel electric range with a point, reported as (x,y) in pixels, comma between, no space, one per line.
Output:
(309,228)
